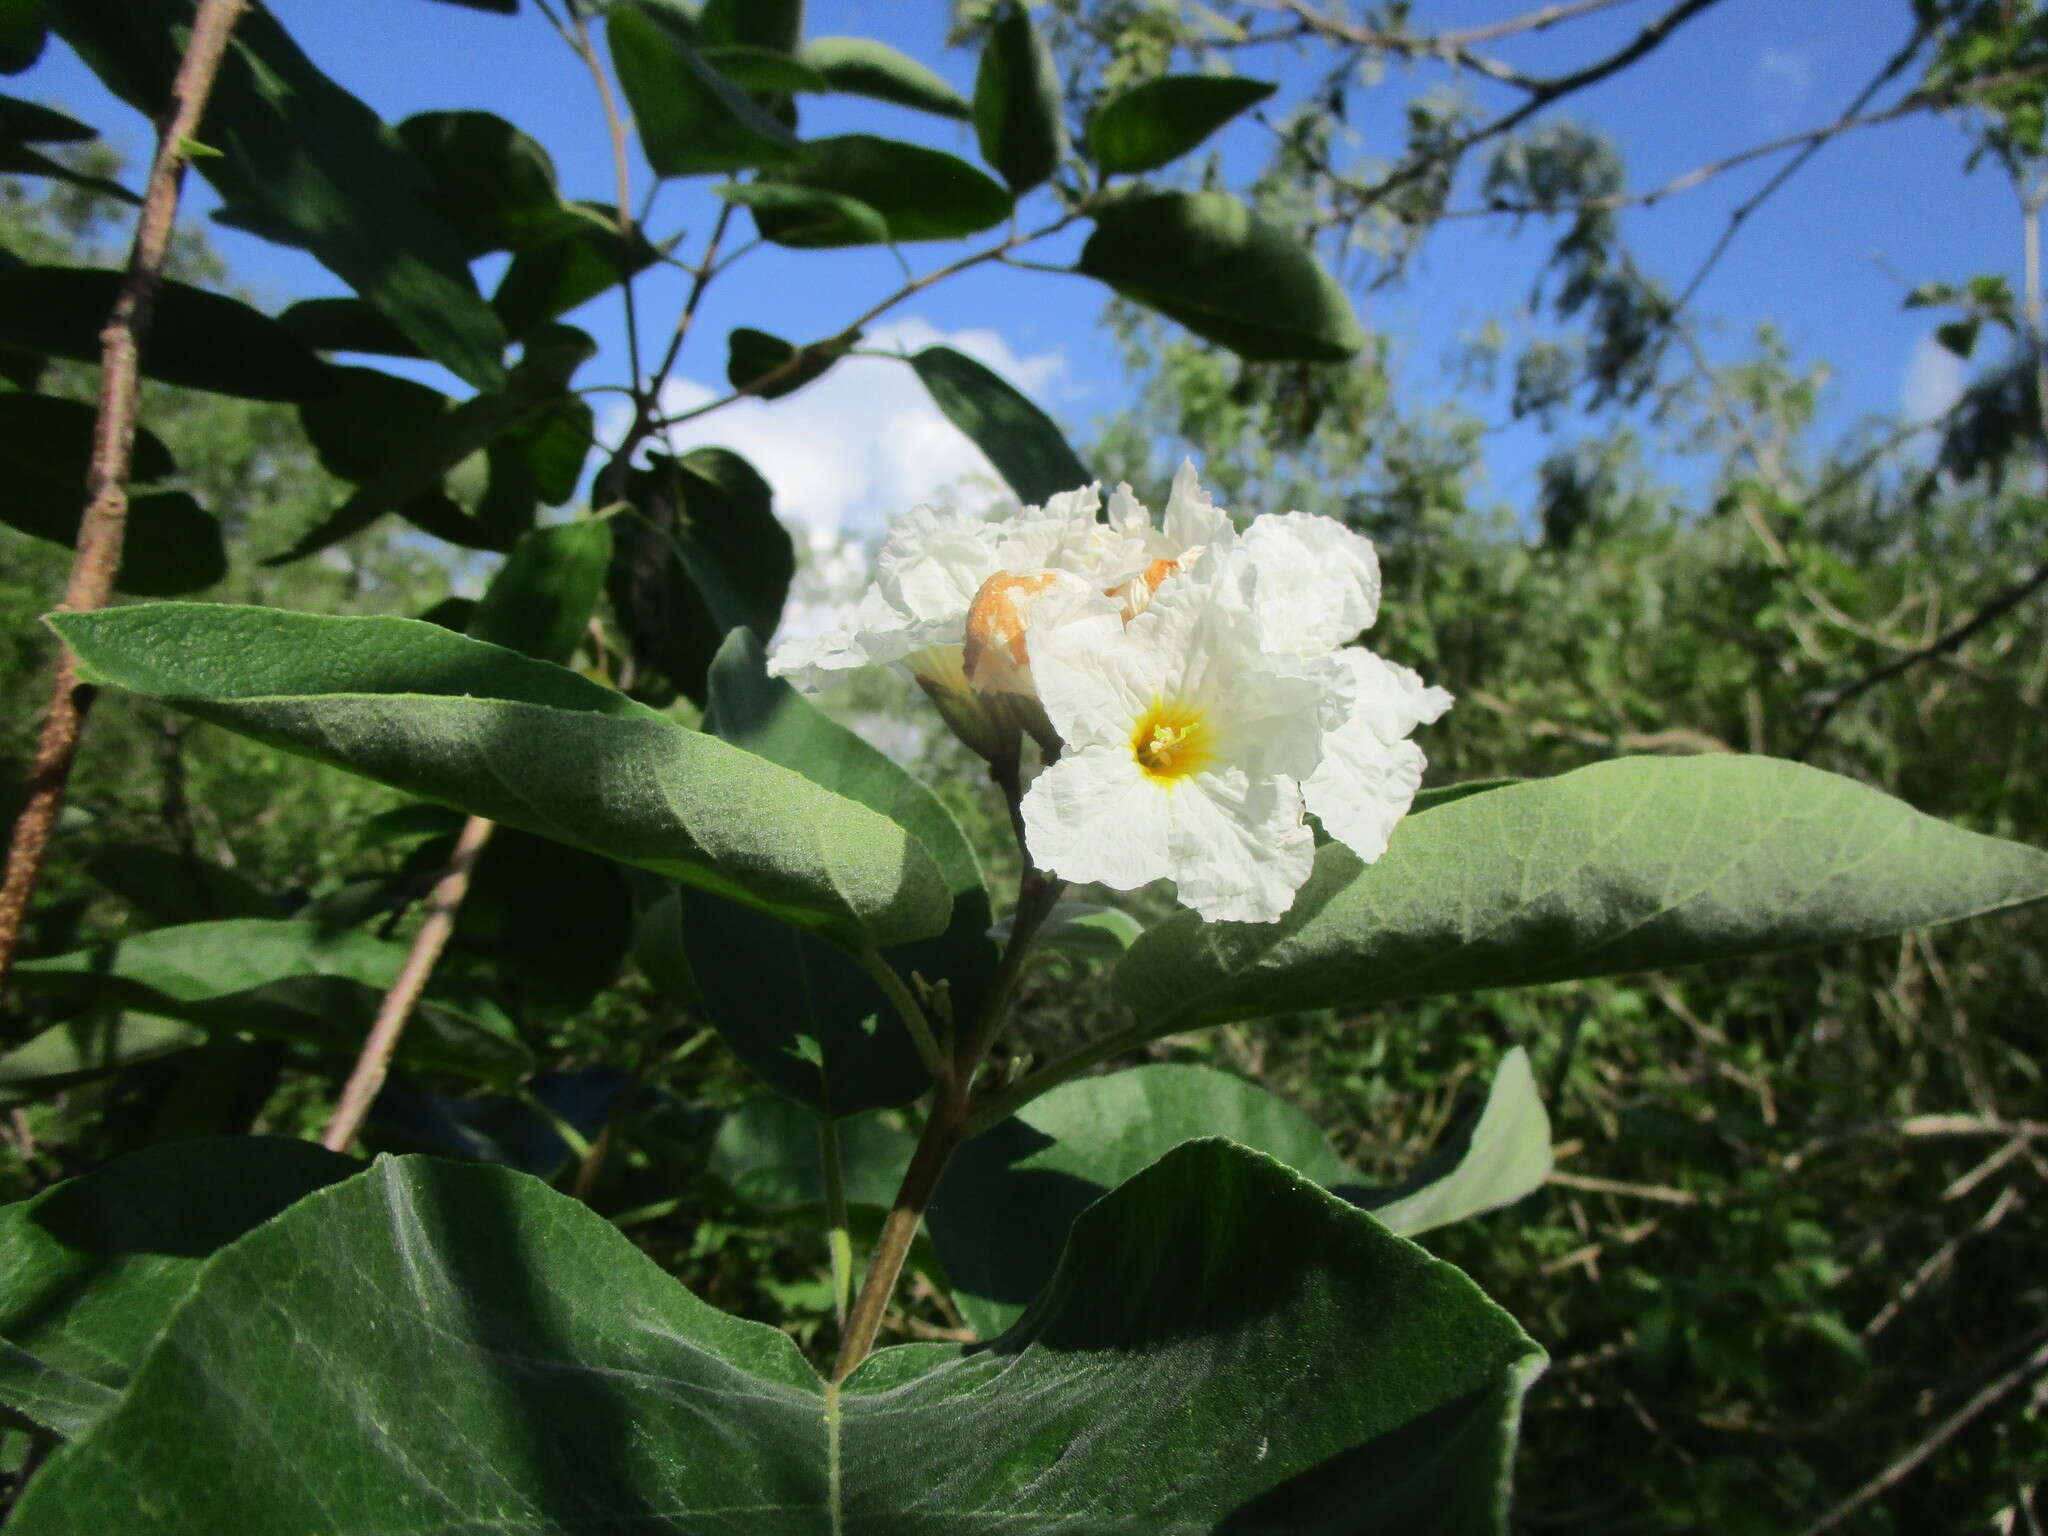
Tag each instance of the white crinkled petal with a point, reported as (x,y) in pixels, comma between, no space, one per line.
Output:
(1317,583)
(1094,677)
(809,661)
(1392,699)
(1363,787)
(1192,519)
(1237,846)
(1094,816)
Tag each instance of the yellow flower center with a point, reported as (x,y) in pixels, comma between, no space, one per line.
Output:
(1172,740)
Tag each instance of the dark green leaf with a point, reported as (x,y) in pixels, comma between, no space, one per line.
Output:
(530,1369)
(1636,864)
(346,325)
(551,920)
(166,887)
(20,160)
(22,34)
(763,69)
(1156,122)
(400,442)
(1206,260)
(1082,929)
(91,1269)
(767,1153)
(691,118)
(42,434)
(658,951)
(751,354)
(1959,336)
(547,281)
(541,600)
(1017,101)
(496,7)
(87,1048)
(30,122)
(920,194)
(1025,445)
(304,158)
(495,734)
(493,183)
(698,553)
(859,66)
(199,339)
(774,24)
(806,218)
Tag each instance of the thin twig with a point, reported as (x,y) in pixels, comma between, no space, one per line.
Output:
(1937,1264)
(622,179)
(104,523)
(2034,1365)
(374,1062)
(1660,1193)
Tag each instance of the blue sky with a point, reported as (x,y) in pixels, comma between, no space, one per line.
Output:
(1827,260)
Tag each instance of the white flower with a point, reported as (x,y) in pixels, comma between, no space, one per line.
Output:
(1370,771)
(1184,748)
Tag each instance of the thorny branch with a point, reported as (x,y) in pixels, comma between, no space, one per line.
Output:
(105,520)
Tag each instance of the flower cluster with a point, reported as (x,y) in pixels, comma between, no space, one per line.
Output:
(1190,686)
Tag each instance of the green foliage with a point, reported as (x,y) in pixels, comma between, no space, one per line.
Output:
(1017,118)
(691,118)
(1025,445)
(1152,125)
(916,193)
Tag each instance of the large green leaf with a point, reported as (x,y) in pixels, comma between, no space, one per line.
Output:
(691,118)
(810,1022)
(91,1047)
(545,282)
(859,66)
(166,887)
(805,217)
(919,193)
(199,339)
(22,34)
(1157,121)
(551,922)
(1025,445)
(1206,260)
(752,354)
(493,183)
(1224,1347)
(1002,1213)
(541,600)
(91,1270)
(308,163)
(773,24)
(768,1153)
(495,734)
(346,325)
(1017,101)
(697,553)
(1636,864)
(287,979)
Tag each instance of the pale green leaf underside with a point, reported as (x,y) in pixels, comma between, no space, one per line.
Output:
(1224,1343)
(1636,864)
(496,734)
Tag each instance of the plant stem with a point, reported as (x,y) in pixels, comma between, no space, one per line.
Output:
(998,1107)
(837,1234)
(942,1133)
(105,519)
(373,1064)
(884,976)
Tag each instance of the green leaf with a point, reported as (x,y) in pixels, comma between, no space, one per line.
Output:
(1017,101)
(166,887)
(551,921)
(91,1269)
(751,353)
(1009,1196)
(699,553)
(919,193)
(495,7)
(530,1369)
(346,325)
(30,122)
(1157,121)
(83,1049)
(400,442)
(491,733)
(772,24)
(1205,260)
(811,1023)
(1959,336)
(22,34)
(1495,1160)
(493,183)
(1025,445)
(541,600)
(859,66)
(286,979)
(763,69)
(805,218)
(1081,929)
(21,160)
(310,163)
(1636,864)
(691,118)
(545,282)
(199,339)
(767,1153)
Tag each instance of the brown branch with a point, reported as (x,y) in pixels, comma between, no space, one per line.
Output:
(374,1061)
(105,520)
(1452,47)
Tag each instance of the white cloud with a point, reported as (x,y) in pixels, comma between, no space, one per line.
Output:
(864,443)
(1932,383)
(1780,81)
